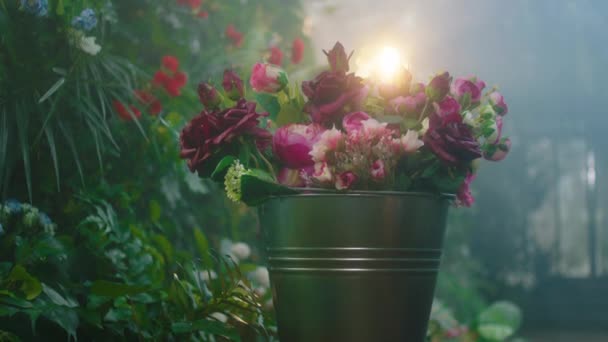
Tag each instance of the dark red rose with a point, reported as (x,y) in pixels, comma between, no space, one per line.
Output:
(297,51)
(338,60)
(276,56)
(233,85)
(208,95)
(451,140)
(331,95)
(212,132)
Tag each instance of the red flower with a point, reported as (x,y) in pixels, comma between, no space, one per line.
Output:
(170,63)
(152,104)
(194,4)
(297,51)
(124,113)
(451,140)
(212,132)
(276,56)
(173,87)
(160,78)
(203,14)
(235,36)
(233,85)
(180,79)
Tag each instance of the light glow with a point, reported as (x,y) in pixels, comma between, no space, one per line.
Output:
(383,65)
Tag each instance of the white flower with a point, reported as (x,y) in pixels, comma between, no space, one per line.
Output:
(261,276)
(471,119)
(207,276)
(220,317)
(425,126)
(88,45)
(240,250)
(410,142)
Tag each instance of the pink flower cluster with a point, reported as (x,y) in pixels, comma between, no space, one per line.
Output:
(364,154)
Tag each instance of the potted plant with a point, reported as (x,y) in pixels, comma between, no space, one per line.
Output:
(353,179)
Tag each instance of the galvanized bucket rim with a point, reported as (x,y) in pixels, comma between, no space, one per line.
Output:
(319,192)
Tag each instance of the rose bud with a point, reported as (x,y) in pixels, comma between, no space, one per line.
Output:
(233,85)
(293,143)
(499,104)
(266,78)
(448,106)
(346,180)
(353,121)
(496,134)
(338,60)
(276,56)
(297,51)
(439,87)
(471,86)
(377,172)
(499,151)
(208,95)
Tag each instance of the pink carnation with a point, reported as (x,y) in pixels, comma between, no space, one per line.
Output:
(328,141)
(266,78)
(346,180)
(377,172)
(353,121)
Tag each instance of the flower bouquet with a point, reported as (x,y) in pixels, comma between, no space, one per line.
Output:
(353,179)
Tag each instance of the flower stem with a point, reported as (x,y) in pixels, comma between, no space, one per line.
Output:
(268,164)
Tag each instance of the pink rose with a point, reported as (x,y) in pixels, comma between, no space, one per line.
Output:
(293,143)
(417,88)
(464,197)
(409,105)
(471,85)
(346,180)
(322,173)
(266,78)
(499,151)
(499,104)
(291,177)
(352,122)
(448,106)
(377,172)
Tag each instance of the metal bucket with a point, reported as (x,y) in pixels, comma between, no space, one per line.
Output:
(357,266)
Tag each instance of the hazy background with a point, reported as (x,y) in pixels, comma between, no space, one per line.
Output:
(538,233)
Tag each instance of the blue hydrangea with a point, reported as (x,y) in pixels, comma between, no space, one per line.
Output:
(45,220)
(39,8)
(86,20)
(13,206)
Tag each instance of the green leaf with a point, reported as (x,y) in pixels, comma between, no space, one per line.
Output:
(27,284)
(60,10)
(446,183)
(500,321)
(58,299)
(22,123)
(53,149)
(208,326)
(202,244)
(52,90)
(66,318)
(155,211)
(270,103)
(257,186)
(111,289)
(222,167)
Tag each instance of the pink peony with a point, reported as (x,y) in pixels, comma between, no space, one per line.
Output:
(499,104)
(346,180)
(447,107)
(322,173)
(328,141)
(377,172)
(293,143)
(266,78)
(353,122)
(471,86)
